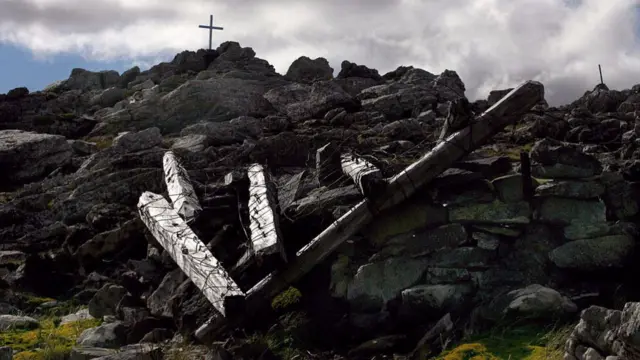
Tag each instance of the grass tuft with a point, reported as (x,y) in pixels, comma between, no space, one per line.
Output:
(521,343)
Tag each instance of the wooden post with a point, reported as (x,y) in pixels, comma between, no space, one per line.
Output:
(328,165)
(179,187)
(264,225)
(401,186)
(190,254)
(527,180)
(365,175)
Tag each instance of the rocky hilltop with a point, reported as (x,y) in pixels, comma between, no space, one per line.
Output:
(491,241)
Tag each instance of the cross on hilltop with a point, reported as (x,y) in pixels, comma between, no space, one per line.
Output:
(211,28)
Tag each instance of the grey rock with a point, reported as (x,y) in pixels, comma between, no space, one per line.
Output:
(12,257)
(136,141)
(435,300)
(88,352)
(110,335)
(192,143)
(234,131)
(423,242)
(106,300)
(486,241)
(108,97)
(6,353)
(85,80)
(109,242)
(566,211)
(82,314)
(408,218)
(301,102)
(463,257)
(158,301)
(30,156)
(376,283)
(495,212)
(556,159)
(305,70)
(509,188)
(82,147)
(594,254)
(533,301)
(9,322)
(571,189)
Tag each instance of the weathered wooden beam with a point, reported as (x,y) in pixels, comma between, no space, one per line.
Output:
(527,180)
(190,254)
(264,225)
(179,187)
(364,174)
(328,165)
(400,187)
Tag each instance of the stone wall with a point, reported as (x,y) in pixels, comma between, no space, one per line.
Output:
(471,242)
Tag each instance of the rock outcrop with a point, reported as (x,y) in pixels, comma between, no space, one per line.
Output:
(489,240)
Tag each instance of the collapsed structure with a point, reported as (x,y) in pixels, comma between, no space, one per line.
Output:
(199,264)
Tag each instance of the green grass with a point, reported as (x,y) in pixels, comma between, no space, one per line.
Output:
(102,142)
(515,343)
(50,341)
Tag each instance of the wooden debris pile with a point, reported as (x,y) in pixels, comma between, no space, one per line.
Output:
(169,222)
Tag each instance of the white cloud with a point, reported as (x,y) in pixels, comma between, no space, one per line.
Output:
(490,43)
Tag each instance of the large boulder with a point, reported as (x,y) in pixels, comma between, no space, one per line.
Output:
(305,70)
(301,102)
(555,159)
(81,79)
(27,156)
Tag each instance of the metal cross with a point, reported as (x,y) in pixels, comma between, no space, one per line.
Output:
(211,28)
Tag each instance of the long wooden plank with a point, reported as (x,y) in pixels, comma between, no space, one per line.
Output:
(190,254)
(179,187)
(264,225)
(400,187)
(367,177)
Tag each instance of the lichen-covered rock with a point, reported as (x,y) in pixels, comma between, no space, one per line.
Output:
(496,212)
(405,220)
(16,322)
(594,254)
(565,211)
(533,301)
(376,283)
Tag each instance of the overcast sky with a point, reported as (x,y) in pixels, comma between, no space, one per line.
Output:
(490,43)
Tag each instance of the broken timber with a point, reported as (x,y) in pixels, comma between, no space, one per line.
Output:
(190,254)
(179,187)
(266,239)
(401,186)
(365,175)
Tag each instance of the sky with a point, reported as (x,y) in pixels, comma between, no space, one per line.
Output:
(491,44)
